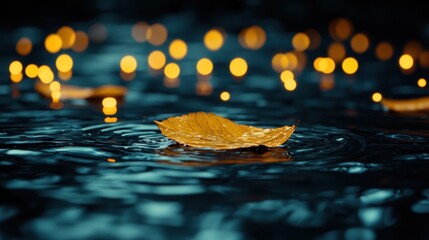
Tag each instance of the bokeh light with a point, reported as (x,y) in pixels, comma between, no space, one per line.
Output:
(109,102)
(68,36)
(24,46)
(64,63)
(406,61)
(290,85)
(421,82)
(359,43)
(384,51)
(16,78)
(337,51)
(280,62)
(238,67)
(203,88)
(81,43)
(300,41)
(204,66)
(341,29)
(156,60)
(253,37)
(286,75)
(350,65)
(138,31)
(214,39)
(225,96)
(53,43)
(172,70)
(156,34)
(128,64)
(324,65)
(55,86)
(15,67)
(45,74)
(178,49)
(377,97)
(31,70)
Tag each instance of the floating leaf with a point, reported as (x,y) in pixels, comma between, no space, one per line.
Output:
(76,92)
(208,130)
(406,105)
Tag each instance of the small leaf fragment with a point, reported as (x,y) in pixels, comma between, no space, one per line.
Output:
(208,130)
(406,105)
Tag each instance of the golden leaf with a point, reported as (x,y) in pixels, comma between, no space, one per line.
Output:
(208,130)
(406,105)
(76,92)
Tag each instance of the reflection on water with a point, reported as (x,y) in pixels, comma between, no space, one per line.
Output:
(188,156)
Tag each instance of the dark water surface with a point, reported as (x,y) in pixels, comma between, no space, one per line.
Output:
(350,171)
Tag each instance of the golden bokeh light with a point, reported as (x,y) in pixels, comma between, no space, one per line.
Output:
(53,43)
(110,110)
(359,43)
(16,78)
(156,34)
(55,86)
(24,46)
(280,62)
(204,66)
(324,64)
(384,51)
(172,70)
(98,33)
(138,32)
(286,75)
(128,64)
(112,160)
(253,37)
(15,67)
(110,119)
(156,60)
(214,39)
(341,29)
(68,36)
(421,82)
(300,41)
(290,85)
(45,74)
(337,51)
(178,49)
(225,96)
(406,62)
(377,97)
(350,65)
(65,76)
(292,59)
(238,67)
(31,70)
(56,96)
(64,63)
(81,43)
(109,102)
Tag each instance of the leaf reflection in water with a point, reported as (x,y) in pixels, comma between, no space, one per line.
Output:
(194,157)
